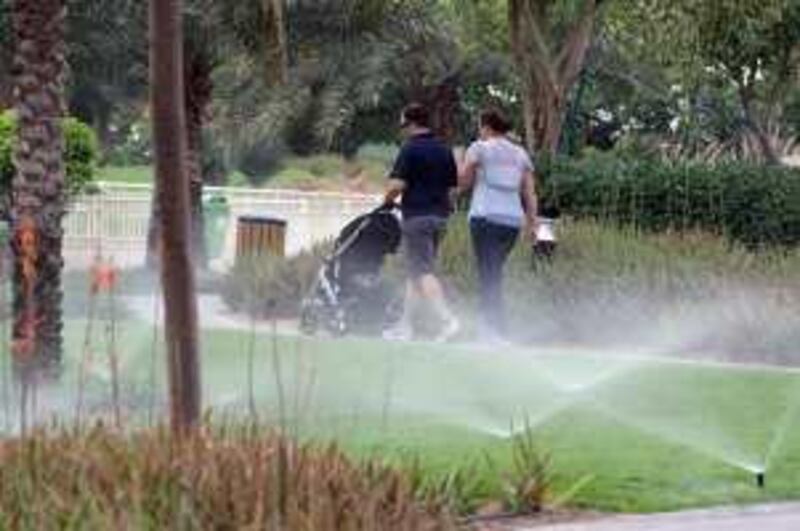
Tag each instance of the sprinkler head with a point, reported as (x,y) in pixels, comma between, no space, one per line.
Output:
(760,479)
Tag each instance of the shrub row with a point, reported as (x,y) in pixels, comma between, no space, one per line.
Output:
(670,292)
(754,205)
(683,292)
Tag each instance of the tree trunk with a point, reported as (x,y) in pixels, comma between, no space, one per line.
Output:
(275,44)
(177,274)
(444,102)
(746,97)
(198,89)
(102,126)
(548,70)
(38,188)
(153,253)
(548,117)
(6,92)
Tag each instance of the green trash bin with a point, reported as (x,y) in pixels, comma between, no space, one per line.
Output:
(217,218)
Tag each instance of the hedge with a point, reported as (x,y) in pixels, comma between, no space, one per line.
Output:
(754,205)
(80,154)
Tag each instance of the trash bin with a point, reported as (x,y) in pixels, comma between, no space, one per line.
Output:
(260,236)
(217,213)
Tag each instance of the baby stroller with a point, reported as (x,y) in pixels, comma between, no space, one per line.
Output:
(349,294)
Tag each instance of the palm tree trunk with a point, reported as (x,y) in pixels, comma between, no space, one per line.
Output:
(6,99)
(38,189)
(198,88)
(177,274)
(275,43)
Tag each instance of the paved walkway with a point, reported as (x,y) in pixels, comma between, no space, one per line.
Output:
(771,517)
(213,314)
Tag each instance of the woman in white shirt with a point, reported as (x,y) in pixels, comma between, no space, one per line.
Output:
(501,176)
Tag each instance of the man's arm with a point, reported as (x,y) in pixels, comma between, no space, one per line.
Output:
(394,190)
(397,178)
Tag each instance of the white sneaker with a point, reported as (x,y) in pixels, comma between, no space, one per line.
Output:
(450,329)
(495,341)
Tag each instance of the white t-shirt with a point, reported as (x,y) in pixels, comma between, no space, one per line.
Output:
(501,165)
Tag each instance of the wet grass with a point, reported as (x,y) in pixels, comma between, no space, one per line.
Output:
(631,433)
(634,433)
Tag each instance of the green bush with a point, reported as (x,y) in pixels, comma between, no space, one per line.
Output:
(80,152)
(7,129)
(264,286)
(610,286)
(383,154)
(135,148)
(754,205)
(258,162)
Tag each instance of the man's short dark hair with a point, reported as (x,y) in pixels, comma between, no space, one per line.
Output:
(416,114)
(495,119)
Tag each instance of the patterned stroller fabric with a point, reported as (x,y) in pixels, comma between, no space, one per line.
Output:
(350,294)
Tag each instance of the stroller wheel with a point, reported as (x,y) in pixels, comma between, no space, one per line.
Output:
(394,311)
(338,324)
(309,324)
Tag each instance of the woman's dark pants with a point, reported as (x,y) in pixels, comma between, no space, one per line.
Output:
(492,243)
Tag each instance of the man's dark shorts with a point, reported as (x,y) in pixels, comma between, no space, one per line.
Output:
(421,237)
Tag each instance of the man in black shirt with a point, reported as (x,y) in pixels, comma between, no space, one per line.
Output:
(424,177)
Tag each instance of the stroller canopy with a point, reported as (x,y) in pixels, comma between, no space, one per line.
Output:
(363,243)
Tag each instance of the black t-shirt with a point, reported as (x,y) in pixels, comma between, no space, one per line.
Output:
(429,170)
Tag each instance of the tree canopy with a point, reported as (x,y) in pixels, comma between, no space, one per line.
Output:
(301,76)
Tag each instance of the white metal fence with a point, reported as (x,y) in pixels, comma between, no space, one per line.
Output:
(115,220)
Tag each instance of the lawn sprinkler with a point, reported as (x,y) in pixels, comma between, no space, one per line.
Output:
(760,479)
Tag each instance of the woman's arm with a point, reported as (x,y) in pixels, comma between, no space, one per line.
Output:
(529,201)
(466,175)
(467,169)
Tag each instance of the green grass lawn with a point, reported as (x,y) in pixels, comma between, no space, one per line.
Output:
(324,171)
(308,172)
(640,434)
(125,174)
